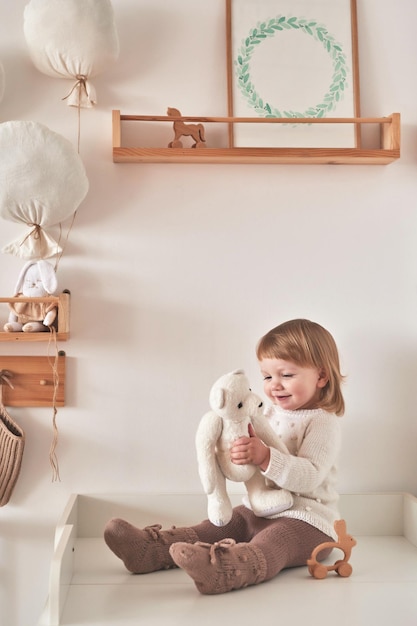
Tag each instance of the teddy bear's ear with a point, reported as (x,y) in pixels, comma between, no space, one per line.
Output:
(217,398)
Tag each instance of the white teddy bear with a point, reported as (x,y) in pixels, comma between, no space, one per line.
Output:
(36,280)
(234,406)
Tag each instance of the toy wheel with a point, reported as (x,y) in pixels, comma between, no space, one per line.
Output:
(319,571)
(344,569)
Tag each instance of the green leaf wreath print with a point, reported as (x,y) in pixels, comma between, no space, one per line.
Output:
(269,29)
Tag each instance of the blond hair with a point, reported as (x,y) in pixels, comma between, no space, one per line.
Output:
(307,344)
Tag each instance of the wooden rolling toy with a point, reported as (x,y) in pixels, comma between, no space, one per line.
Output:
(345,543)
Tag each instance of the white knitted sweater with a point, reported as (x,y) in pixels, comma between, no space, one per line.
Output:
(309,470)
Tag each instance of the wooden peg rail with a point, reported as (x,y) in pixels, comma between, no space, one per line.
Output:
(62,324)
(388,151)
(32,380)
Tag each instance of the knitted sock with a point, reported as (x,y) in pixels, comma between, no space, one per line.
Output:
(222,566)
(144,550)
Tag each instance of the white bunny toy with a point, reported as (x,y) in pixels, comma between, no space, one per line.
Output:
(234,406)
(36,280)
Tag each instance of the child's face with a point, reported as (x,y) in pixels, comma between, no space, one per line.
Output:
(291,386)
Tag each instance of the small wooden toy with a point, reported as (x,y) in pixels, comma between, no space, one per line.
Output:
(345,543)
(181,129)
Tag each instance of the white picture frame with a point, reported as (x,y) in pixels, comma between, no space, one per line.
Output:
(292,59)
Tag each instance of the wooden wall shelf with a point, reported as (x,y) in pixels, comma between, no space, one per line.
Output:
(33,380)
(387,152)
(62,323)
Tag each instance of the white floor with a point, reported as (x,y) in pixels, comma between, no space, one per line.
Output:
(381,590)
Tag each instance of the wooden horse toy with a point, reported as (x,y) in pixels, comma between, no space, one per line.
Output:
(196,131)
(345,543)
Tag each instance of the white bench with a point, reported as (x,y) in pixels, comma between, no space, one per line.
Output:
(89,585)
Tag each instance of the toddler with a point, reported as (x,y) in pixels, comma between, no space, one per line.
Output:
(299,363)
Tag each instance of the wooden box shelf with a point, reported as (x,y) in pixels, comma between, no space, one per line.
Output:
(33,380)
(62,324)
(387,152)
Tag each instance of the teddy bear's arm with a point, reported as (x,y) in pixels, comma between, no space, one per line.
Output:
(264,431)
(208,433)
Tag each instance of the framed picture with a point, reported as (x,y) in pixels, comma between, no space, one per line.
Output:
(292,59)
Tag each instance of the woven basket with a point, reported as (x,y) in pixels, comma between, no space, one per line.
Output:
(12,443)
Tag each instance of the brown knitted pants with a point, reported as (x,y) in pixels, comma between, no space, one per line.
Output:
(284,542)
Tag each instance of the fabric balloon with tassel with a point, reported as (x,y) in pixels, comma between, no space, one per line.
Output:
(42,183)
(72,39)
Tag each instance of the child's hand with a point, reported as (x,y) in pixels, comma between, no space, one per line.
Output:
(250,450)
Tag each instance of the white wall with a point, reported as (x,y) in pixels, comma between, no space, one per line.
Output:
(176,270)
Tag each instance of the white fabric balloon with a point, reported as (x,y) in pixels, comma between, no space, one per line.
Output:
(42,183)
(72,39)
